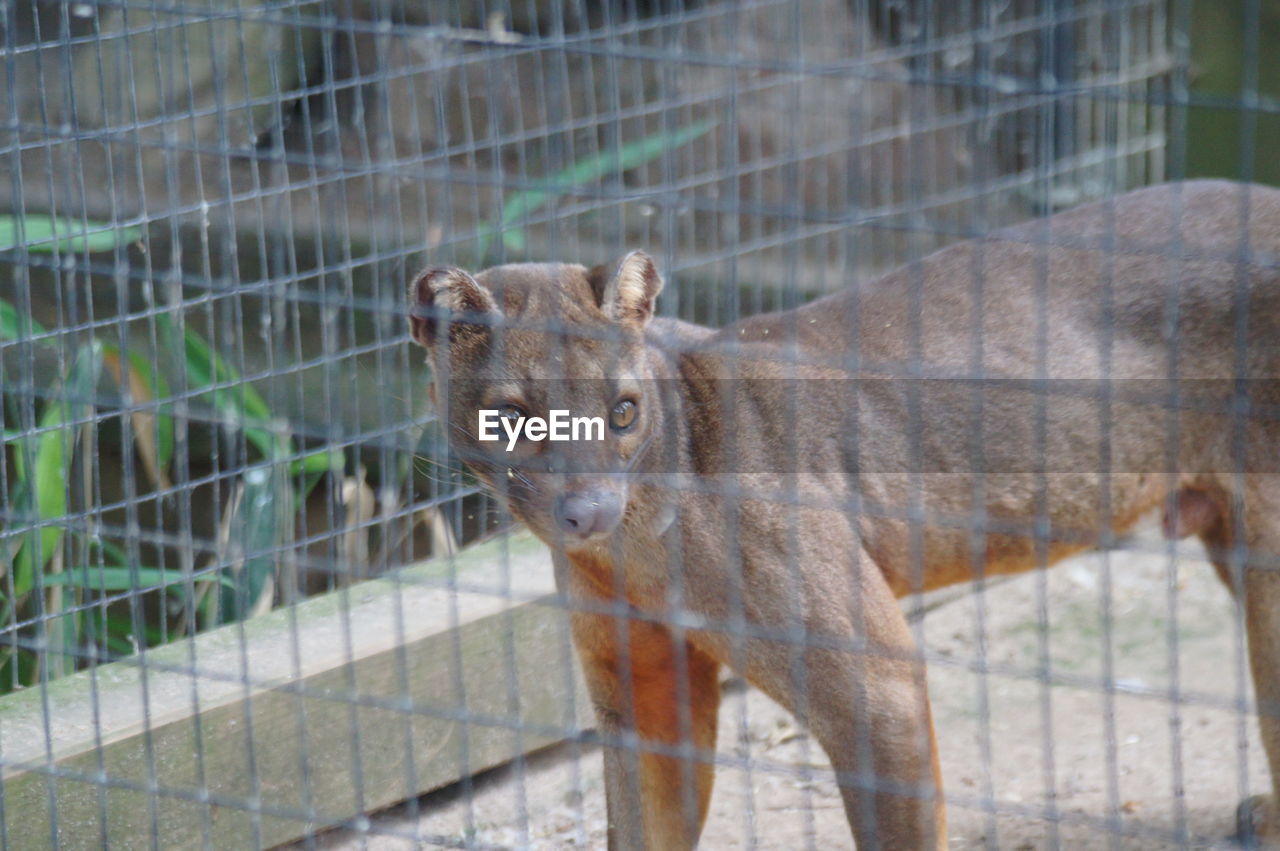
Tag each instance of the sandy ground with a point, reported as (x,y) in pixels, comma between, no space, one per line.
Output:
(1159,760)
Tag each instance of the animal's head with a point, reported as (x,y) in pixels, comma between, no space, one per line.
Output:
(561,344)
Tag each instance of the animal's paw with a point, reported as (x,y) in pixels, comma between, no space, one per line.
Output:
(1257,824)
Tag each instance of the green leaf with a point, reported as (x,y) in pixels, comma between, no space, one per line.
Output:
(313,467)
(120,627)
(96,578)
(320,461)
(110,550)
(217,370)
(53,447)
(17,326)
(116,643)
(242,405)
(19,669)
(46,234)
(628,156)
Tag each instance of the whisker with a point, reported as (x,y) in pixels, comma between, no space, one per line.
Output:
(430,469)
(512,472)
(640,453)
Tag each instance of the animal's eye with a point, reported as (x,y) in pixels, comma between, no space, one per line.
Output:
(511,412)
(623,415)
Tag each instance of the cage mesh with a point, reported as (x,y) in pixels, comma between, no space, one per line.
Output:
(216,431)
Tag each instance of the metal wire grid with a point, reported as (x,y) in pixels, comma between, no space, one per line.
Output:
(287,163)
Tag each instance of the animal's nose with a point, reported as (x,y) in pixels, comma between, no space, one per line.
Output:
(587,514)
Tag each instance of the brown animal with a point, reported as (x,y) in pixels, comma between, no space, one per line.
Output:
(764,492)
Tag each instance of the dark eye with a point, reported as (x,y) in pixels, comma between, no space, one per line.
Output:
(623,415)
(511,412)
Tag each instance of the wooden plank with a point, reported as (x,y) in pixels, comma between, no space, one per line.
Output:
(256,733)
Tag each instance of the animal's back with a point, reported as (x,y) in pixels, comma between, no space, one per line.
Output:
(1139,290)
(1105,290)
(1190,270)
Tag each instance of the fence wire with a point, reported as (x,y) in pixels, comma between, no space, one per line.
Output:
(252,595)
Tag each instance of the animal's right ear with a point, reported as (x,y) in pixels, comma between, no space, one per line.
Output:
(627,290)
(441,298)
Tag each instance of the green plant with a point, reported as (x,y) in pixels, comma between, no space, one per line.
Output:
(518,205)
(46,234)
(82,591)
(40,471)
(260,519)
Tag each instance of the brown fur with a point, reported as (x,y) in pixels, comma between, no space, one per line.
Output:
(790,475)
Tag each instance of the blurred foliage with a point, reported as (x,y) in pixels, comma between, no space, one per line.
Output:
(517,206)
(69,595)
(1228,47)
(46,234)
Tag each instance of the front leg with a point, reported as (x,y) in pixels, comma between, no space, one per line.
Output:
(634,673)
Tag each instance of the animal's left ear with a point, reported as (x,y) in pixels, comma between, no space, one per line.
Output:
(627,296)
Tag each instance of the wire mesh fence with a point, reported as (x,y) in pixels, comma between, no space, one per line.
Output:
(254,586)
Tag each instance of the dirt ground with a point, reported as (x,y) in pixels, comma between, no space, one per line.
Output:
(1159,760)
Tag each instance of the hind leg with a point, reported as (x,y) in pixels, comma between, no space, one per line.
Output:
(857,682)
(1255,580)
(1261,603)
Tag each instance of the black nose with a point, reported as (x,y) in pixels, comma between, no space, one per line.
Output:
(586,514)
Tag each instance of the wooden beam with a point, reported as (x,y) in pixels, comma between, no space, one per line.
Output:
(257,733)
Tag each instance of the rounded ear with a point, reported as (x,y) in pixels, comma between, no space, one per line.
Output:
(628,295)
(447,297)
